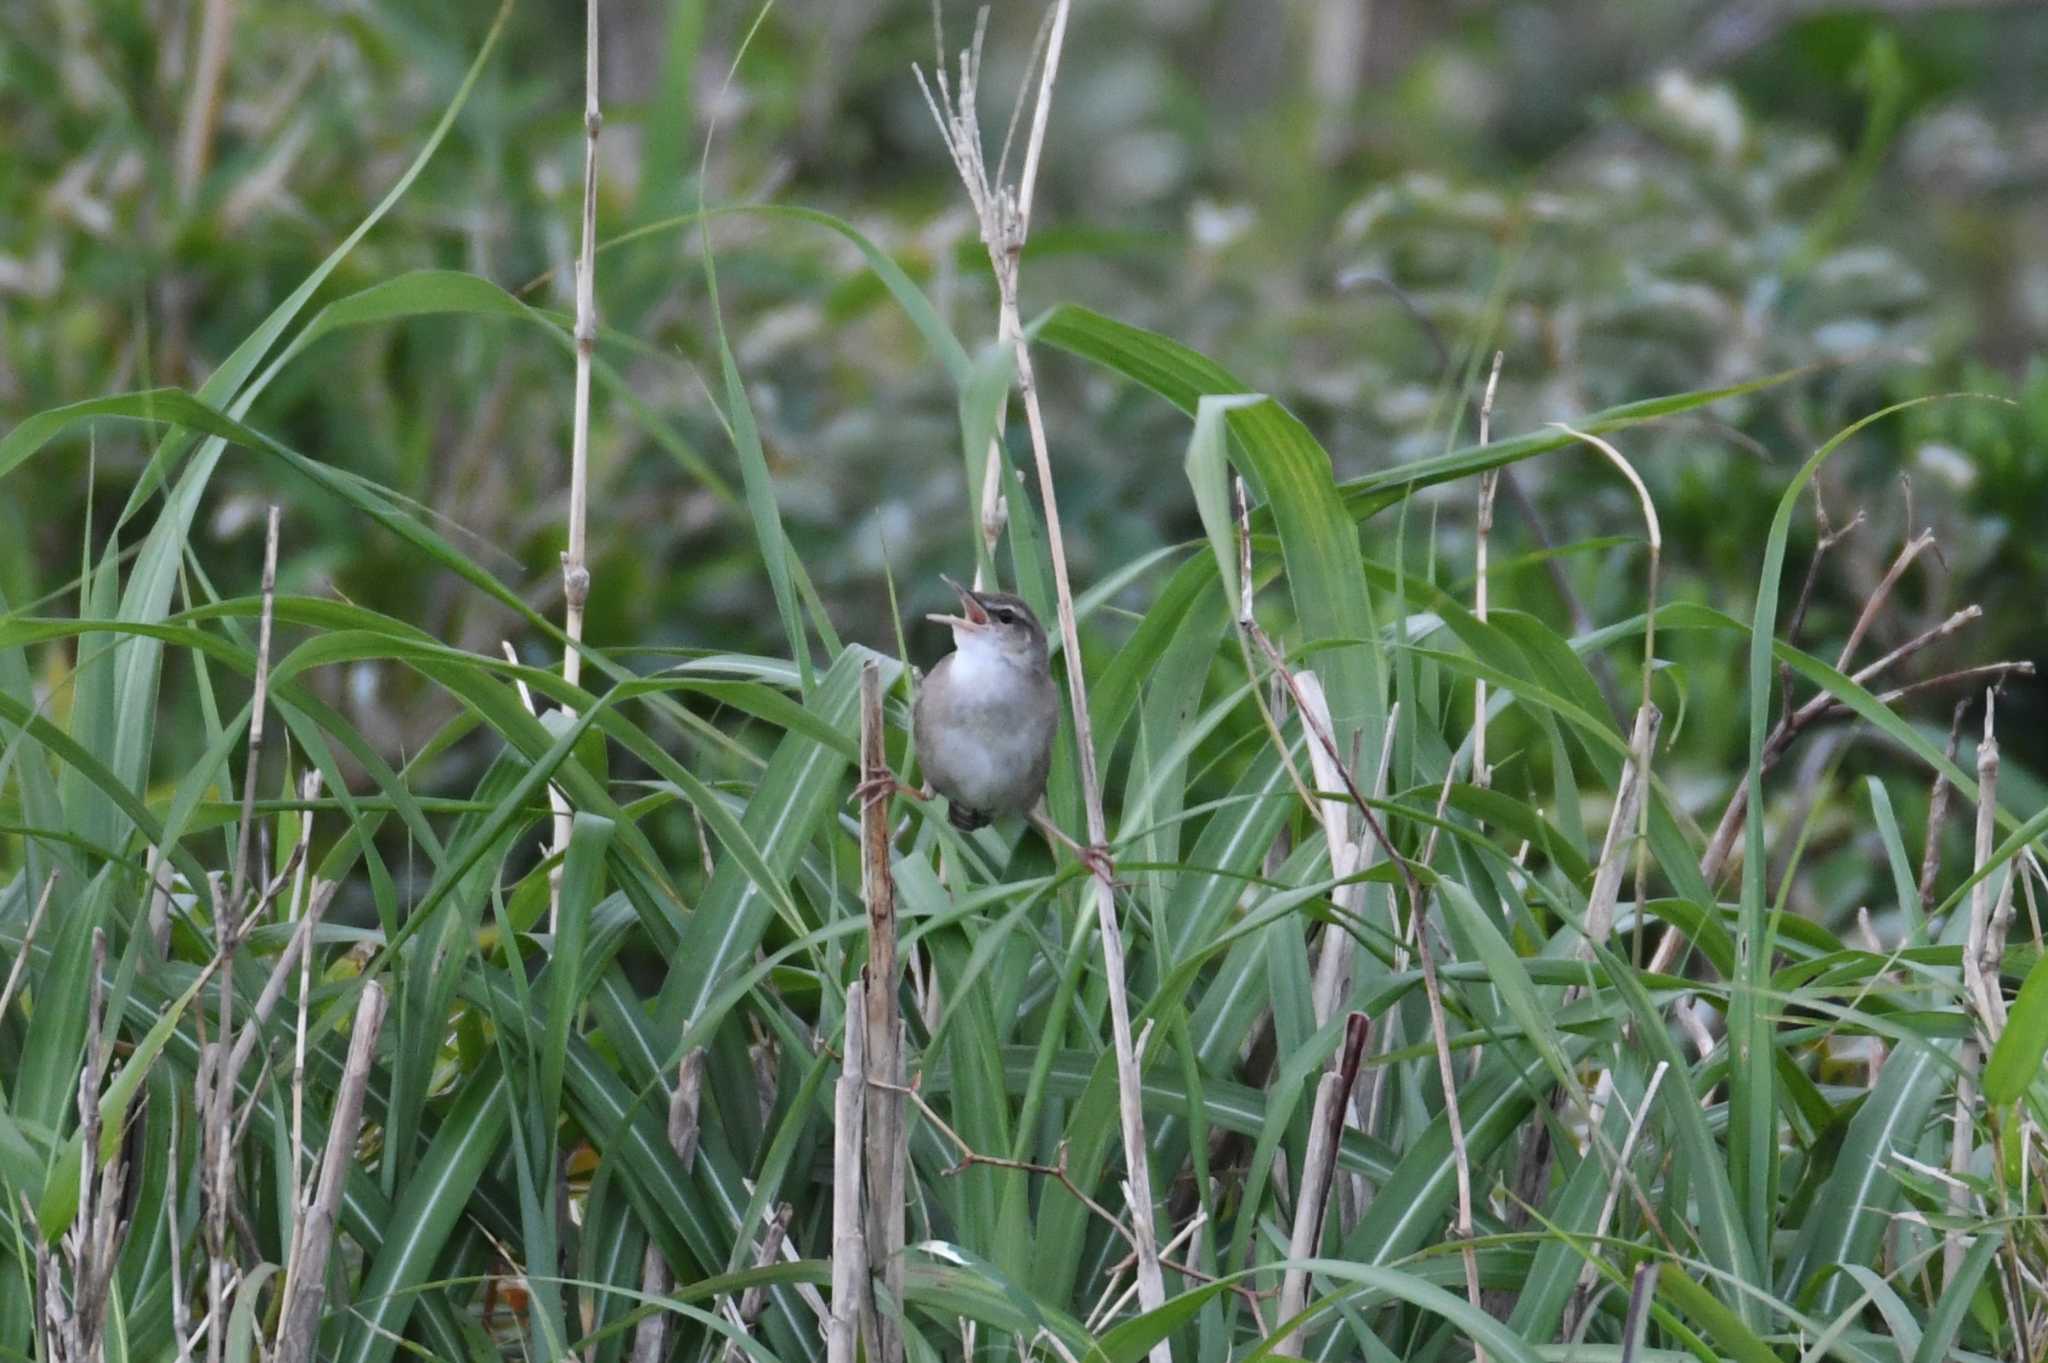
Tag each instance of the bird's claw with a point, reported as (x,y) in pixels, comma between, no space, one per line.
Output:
(883,787)
(1099,864)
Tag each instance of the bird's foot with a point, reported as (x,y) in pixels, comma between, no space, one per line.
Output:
(1099,864)
(1096,857)
(885,787)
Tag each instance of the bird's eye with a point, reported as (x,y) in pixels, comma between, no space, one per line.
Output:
(1007,617)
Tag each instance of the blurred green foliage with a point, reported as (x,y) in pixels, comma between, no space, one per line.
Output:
(1350,206)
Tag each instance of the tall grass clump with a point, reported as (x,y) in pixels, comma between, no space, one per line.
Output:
(1403,1004)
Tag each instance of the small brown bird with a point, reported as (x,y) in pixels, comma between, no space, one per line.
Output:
(985,717)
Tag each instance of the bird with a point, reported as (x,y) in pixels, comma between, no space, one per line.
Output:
(985,717)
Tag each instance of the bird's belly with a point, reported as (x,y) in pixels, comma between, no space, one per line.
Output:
(997,770)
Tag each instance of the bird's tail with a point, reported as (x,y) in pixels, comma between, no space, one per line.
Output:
(963,818)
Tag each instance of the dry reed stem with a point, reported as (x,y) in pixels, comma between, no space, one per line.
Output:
(216,1092)
(1347,857)
(297,947)
(1986,942)
(257,706)
(181,1314)
(884,1127)
(1319,1166)
(301,946)
(202,96)
(849,1243)
(1582,1292)
(575,567)
(1629,798)
(1489,486)
(309,791)
(1937,810)
(755,1299)
(75,1330)
(1960,1145)
(1431,988)
(1639,753)
(650,1337)
(300,1310)
(28,942)
(1005,219)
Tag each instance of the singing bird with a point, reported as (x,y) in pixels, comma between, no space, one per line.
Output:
(985,717)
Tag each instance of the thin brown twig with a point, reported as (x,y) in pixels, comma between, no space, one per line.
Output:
(1937,810)
(1995,673)
(28,942)
(1826,539)
(970,1157)
(1789,726)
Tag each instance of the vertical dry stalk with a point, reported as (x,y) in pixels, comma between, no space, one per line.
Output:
(1348,855)
(1629,798)
(1937,811)
(1439,1023)
(1005,223)
(309,791)
(257,705)
(304,1177)
(1582,1293)
(657,1279)
(884,1128)
(181,1314)
(755,1299)
(849,1243)
(1319,1166)
(1960,1145)
(202,99)
(1489,485)
(575,567)
(157,870)
(93,1240)
(1639,753)
(299,1313)
(1986,941)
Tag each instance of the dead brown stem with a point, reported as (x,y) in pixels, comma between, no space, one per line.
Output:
(1937,810)
(882,979)
(300,1312)
(850,1303)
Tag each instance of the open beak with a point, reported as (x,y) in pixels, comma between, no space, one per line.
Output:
(971,616)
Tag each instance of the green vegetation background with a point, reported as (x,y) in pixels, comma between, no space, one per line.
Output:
(1627,200)
(1539,177)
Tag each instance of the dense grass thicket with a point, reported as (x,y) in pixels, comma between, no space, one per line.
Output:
(1573,882)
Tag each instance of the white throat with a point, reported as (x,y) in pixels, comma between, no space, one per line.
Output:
(981,663)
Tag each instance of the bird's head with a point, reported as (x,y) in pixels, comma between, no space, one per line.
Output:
(997,622)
